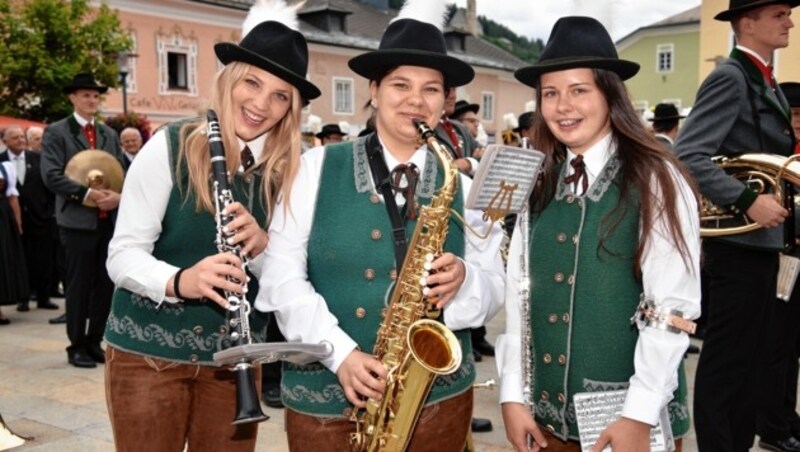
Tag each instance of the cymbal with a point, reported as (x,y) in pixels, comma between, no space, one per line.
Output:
(96,169)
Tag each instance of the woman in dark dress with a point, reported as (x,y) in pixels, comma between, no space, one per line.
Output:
(13,276)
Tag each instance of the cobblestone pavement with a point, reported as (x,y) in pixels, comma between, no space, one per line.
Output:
(63,408)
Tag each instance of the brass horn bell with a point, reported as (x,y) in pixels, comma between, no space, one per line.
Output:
(95,169)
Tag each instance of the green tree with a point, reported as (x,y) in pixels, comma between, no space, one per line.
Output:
(44,43)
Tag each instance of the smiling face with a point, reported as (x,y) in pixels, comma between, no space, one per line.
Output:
(407,93)
(259,100)
(574,108)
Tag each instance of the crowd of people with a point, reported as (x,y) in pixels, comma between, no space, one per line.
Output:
(323,234)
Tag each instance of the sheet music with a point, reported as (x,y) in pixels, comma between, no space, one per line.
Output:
(507,165)
(267,352)
(596,410)
(787,276)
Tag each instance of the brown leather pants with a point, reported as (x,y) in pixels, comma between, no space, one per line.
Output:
(161,405)
(557,445)
(441,428)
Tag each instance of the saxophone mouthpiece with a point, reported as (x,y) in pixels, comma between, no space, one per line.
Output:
(424,131)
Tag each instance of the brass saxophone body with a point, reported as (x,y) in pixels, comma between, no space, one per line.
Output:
(414,349)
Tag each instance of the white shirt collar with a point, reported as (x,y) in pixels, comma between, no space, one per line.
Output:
(595,157)
(12,156)
(81,120)
(666,137)
(753,54)
(256,145)
(418,158)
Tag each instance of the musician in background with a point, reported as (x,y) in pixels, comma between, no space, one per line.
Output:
(163,387)
(34,136)
(131,140)
(84,231)
(330,133)
(614,219)
(740,109)
(457,137)
(330,263)
(666,122)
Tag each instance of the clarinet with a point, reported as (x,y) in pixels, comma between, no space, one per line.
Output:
(248,407)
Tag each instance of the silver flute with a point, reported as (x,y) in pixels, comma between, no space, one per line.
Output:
(526,335)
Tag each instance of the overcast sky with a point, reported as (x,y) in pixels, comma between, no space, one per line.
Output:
(535,18)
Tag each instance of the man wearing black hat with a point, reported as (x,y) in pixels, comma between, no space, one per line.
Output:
(739,108)
(467,114)
(665,123)
(85,231)
(457,137)
(330,133)
(525,125)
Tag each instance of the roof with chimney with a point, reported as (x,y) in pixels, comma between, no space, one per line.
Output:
(364,25)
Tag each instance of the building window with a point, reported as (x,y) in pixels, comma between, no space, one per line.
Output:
(176,71)
(487,106)
(665,58)
(177,64)
(343,99)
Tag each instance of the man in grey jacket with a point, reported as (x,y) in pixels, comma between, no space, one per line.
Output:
(740,109)
(84,231)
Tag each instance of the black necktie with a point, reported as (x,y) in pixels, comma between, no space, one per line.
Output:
(247,158)
(404,180)
(578,175)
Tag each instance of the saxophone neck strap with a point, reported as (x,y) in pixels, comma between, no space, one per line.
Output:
(380,175)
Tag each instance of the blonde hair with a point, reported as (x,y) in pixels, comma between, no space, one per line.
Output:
(280,157)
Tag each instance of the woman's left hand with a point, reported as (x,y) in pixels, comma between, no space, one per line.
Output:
(449,273)
(247,231)
(625,435)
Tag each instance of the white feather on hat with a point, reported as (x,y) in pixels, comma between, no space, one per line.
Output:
(314,124)
(530,105)
(510,120)
(344,126)
(433,12)
(275,10)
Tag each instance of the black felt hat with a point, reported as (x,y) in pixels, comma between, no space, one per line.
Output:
(792,92)
(525,121)
(328,130)
(665,112)
(277,49)
(84,81)
(413,43)
(737,7)
(462,107)
(577,42)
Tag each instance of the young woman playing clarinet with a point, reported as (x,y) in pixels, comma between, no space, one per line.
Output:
(167,320)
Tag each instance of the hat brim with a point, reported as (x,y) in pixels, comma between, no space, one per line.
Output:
(475,108)
(665,118)
(228,52)
(72,88)
(530,75)
(730,14)
(372,65)
(321,135)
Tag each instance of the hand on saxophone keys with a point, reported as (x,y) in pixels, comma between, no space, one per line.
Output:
(245,230)
(446,275)
(362,377)
(203,278)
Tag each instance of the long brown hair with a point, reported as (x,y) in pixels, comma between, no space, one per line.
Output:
(643,160)
(280,158)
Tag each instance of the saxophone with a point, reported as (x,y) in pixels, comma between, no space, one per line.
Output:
(414,349)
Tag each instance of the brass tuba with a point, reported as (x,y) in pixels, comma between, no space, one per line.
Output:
(762,173)
(413,349)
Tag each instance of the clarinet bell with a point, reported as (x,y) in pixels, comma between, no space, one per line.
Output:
(248,407)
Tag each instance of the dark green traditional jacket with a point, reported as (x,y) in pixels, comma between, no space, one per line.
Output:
(190,331)
(583,295)
(351,264)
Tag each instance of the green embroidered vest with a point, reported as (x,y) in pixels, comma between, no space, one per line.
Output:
(583,295)
(190,331)
(351,264)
